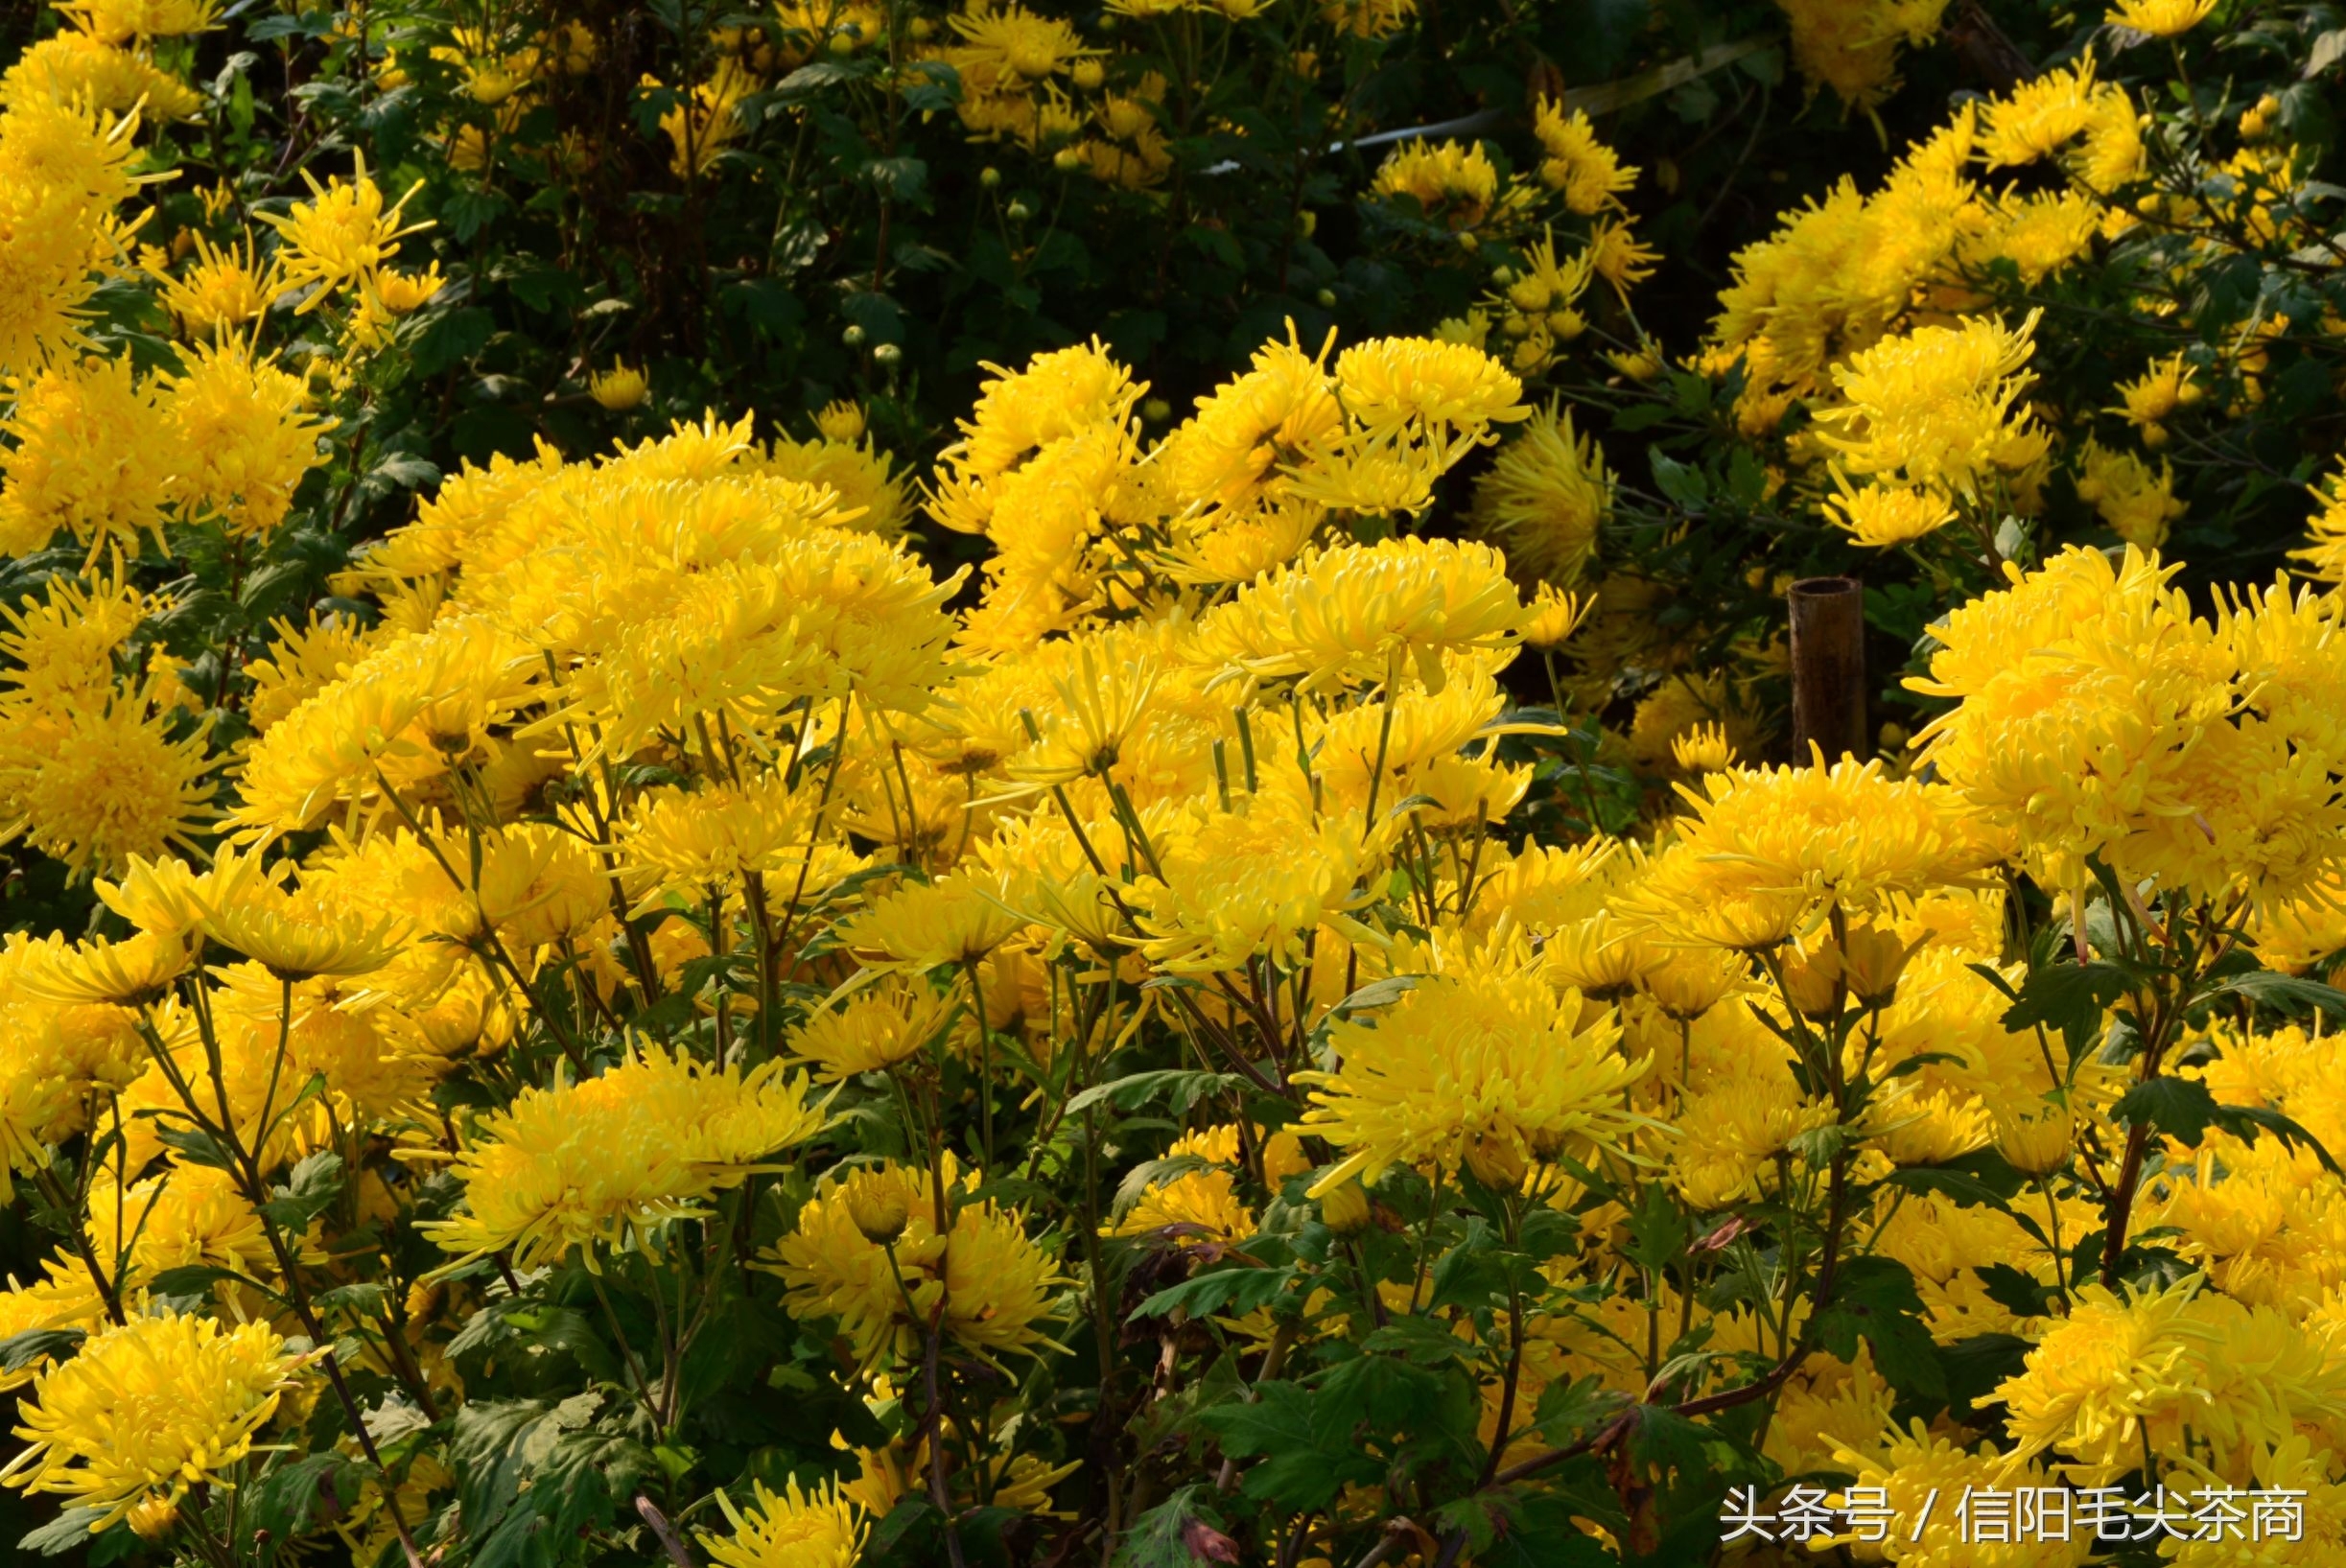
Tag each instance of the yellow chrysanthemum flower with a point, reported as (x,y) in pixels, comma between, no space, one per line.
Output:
(998,1288)
(2160,18)
(606,1162)
(1488,1055)
(339,237)
(1545,499)
(1936,407)
(793,1529)
(145,1411)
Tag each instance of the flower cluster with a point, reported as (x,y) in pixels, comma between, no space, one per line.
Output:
(1248,981)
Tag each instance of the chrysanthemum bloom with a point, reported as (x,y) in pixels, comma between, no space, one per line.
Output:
(717,835)
(1353,613)
(77,67)
(340,235)
(244,441)
(190,1215)
(1808,838)
(604,1162)
(1917,1476)
(119,21)
(404,715)
(1936,407)
(1005,49)
(91,453)
(1490,1054)
(56,1060)
(2154,397)
(1245,885)
(619,388)
(1545,499)
(2135,499)
(1058,394)
(924,924)
(2086,692)
(2097,1378)
(62,644)
(2160,18)
(144,1410)
(128,973)
(873,1031)
(1192,1207)
(1449,180)
(1000,1290)
(1589,174)
(113,779)
(794,1529)
(1443,395)
(1281,412)
(1703,749)
(1886,516)
(298,938)
(871,492)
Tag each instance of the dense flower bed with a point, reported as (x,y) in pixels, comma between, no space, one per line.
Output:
(1168,917)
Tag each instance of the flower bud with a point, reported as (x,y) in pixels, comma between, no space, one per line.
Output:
(887,353)
(1691,981)
(1155,410)
(1812,984)
(1020,212)
(1496,1162)
(2035,1139)
(1068,160)
(1344,1209)
(878,1212)
(853,336)
(1327,299)
(843,44)
(151,1518)
(1088,74)
(1873,960)
(1468,241)
(989,177)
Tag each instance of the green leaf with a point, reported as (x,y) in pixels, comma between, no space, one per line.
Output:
(2069,998)
(1961,1185)
(1181,1531)
(1874,1299)
(533,1476)
(452,337)
(68,1532)
(2285,994)
(36,1345)
(1306,1444)
(2016,1290)
(287,1501)
(1184,1088)
(1679,482)
(1542,1531)
(314,1186)
(1236,1291)
(1658,1230)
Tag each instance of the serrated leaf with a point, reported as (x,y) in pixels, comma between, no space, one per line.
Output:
(1305,1443)
(36,1345)
(1233,1291)
(308,1192)
(68,1532)
(1184,1089)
